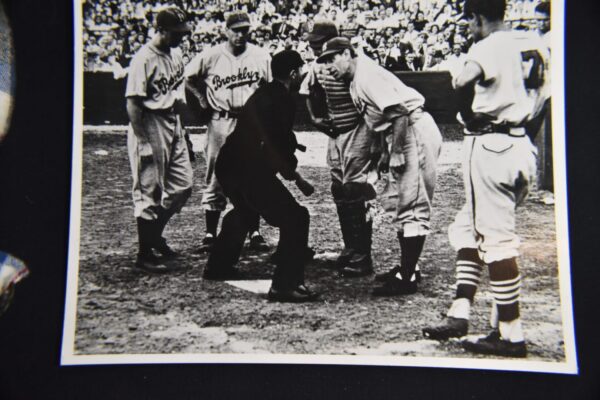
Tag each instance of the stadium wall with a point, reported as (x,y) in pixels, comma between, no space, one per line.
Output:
(104,102)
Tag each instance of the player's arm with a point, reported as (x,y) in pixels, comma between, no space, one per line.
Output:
(135,113)
(399,129)
(464,85)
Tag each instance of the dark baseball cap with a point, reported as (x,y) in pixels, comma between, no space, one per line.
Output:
(322,31)
(285,62)
(238,20)
(334,46)
(173,19)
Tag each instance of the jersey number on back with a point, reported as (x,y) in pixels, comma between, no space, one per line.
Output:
(533,69)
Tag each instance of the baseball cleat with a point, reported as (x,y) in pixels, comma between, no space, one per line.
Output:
(152,264)
(493,344)
(258,243)
(453,328)
(384,276)
(359,265)
(165,251)
(395,287)
(300,294)
(222,274)
(207,244)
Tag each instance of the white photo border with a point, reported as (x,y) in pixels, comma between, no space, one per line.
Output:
(568,366)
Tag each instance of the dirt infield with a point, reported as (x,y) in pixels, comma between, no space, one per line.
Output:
(123,311)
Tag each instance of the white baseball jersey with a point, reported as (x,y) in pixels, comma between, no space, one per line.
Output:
(379,95)
(230,79)
(514,86)
(157,77)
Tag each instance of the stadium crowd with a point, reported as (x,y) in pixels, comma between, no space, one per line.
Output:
(402,35)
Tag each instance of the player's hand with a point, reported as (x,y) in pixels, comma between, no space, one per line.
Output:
(397,163)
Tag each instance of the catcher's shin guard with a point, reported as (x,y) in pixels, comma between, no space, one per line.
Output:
(360,231)
(346,253)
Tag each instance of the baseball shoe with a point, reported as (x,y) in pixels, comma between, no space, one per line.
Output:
(148,262)
(12,271)
(344,258)
(165,251)
(207,244)
(395,287)
(359,265)
(384,276)
(299,294)
(222,274)
(453,328)
(258,243)
(493,344)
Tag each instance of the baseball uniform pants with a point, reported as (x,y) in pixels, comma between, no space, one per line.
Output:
(160,166)
(213,198)
(409,194)
(348,157)
(498,169)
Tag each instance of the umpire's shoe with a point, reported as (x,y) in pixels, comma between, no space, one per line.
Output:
(493,344)
(299,294)
(395,287)
(453,328)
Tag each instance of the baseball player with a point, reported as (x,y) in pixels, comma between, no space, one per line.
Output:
(501,93)
(396,112)
(348,154)
(223,78)
(158,153)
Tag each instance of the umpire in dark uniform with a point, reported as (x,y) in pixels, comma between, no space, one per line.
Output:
(262,145)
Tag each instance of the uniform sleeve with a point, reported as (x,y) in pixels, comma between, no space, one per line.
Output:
(484,55)
(137,79)
(379,91)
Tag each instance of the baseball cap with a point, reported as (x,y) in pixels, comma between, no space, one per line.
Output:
(238,20)
(334,46)
(284,62)
(173,19)
(322,31)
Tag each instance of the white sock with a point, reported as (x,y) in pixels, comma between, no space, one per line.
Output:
(494,316)
(512,330)
(460,308)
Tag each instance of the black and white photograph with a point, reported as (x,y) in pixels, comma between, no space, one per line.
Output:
(358,182)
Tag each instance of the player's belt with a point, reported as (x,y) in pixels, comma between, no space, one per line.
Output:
(225,115)
(516,131)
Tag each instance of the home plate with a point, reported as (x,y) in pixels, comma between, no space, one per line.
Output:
(258,286)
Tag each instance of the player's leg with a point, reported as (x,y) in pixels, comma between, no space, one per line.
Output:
(213,199)
(502,168)
(416,184)
(337,192)
(469,266)
(146,194)
(230,240)
(354,151)
(178,187)
(267,195)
